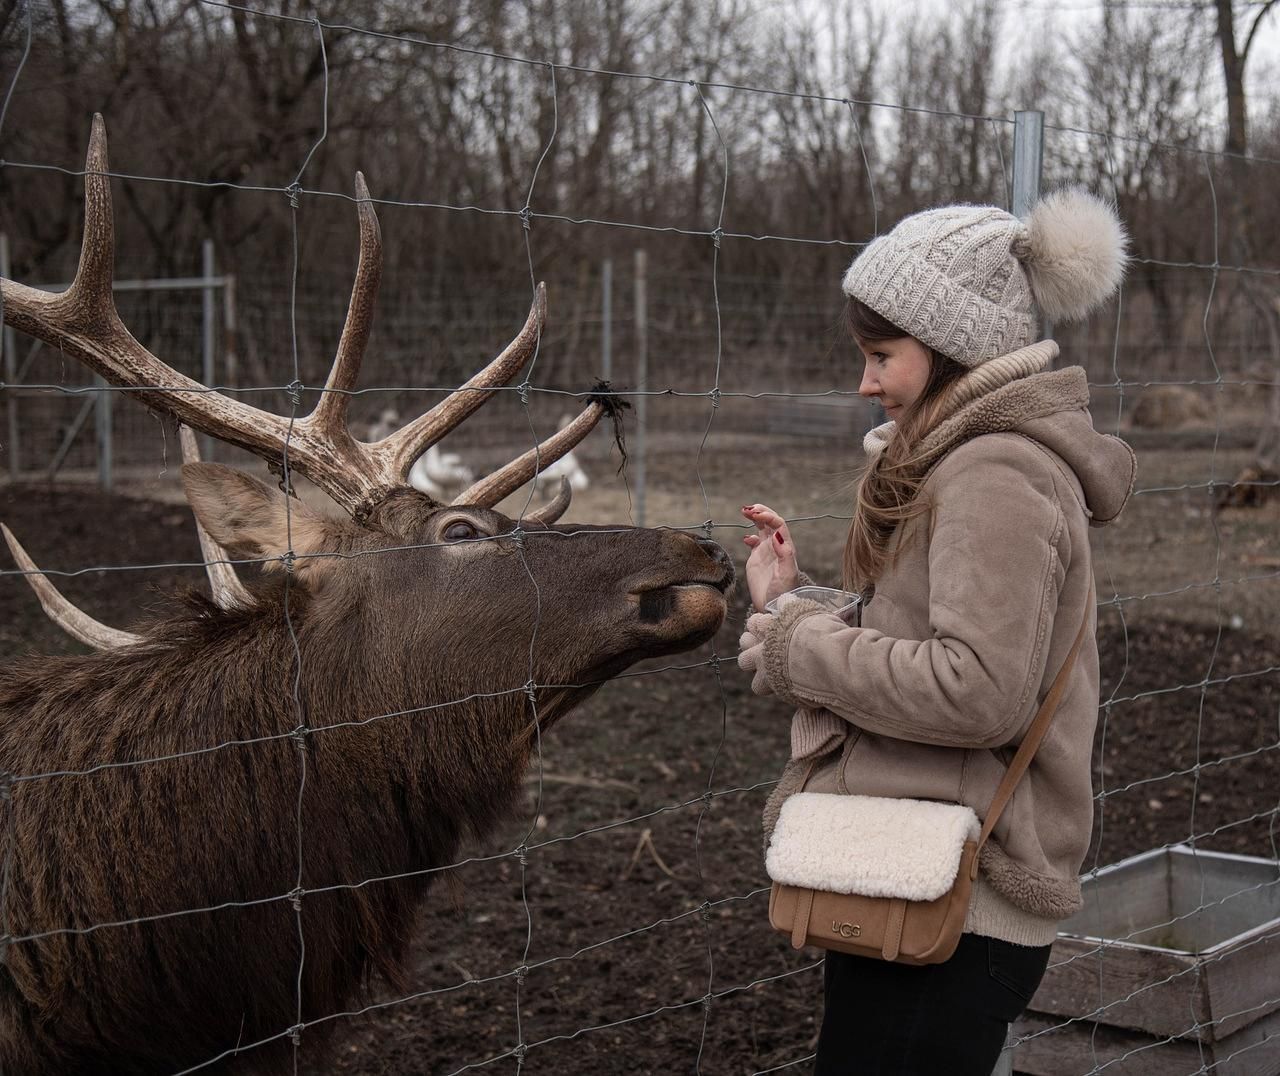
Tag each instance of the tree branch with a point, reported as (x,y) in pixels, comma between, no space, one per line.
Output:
(1248,41)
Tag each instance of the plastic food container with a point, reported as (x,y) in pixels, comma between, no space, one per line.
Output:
(836,601)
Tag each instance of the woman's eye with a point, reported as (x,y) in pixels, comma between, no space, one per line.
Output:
(460,532)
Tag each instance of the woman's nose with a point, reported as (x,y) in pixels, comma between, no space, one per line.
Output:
(870,385)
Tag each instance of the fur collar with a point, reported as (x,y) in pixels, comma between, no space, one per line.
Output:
(1052,409)
(979,382)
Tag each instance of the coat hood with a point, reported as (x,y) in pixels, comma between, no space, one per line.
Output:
(1053,409)
(1105,465)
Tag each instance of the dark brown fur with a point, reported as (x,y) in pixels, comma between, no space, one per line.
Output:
(388,633)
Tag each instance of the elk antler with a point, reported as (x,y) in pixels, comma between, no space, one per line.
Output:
(77,624)
(83,322)
(555,508)
(493,487)
(228,591)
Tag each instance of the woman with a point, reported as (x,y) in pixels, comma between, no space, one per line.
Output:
(969,543)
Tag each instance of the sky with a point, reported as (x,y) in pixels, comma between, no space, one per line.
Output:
(1026,20)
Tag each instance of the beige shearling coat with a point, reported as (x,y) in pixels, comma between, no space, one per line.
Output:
(965,631)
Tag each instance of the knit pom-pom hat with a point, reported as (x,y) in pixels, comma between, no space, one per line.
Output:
(965,279)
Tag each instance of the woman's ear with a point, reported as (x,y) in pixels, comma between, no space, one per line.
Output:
(250,520)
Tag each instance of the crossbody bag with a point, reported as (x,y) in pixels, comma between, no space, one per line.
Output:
(889,878)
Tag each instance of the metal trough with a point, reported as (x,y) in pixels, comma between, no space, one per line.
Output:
(1171,967)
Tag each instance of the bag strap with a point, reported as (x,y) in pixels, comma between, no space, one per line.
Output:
(1030,742)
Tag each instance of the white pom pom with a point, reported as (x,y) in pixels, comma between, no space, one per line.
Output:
(1074,253)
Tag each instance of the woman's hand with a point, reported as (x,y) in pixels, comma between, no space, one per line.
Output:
(771,567)
(752,646)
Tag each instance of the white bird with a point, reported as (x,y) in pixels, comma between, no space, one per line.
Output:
(436,472)
(547,481)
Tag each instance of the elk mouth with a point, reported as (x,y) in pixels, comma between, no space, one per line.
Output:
(660,603)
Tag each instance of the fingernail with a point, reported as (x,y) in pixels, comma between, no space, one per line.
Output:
(777,537)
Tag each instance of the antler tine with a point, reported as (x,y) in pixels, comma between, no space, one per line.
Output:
(228,592)
(82,322)
(493,487)
(76,623)
(554,509)
(330,414)
(92,284)
(407,444)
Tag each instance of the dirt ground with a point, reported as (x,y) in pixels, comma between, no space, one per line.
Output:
(641,899)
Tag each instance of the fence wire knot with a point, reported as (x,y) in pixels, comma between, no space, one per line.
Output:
(294,389)
(522,973)
(704,909)
(522,855)
(716,236)
(293,190)
(295,898)
(706,1003)
(526,215)
(714,397)
(531,691)
(299,737)
(290,561)
(707,797)
(520,1052)
(295,1034)
(523,390)
(708,526)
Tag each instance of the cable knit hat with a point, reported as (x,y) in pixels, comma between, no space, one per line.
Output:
(965,279)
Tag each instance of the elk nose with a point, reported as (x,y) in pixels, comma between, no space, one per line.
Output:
(716,553)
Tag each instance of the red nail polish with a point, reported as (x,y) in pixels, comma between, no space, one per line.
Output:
(777,537)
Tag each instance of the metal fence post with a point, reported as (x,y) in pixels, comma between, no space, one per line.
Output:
(10,345)
(230,366)
(606,319)
(1028,160)
(1028,166)
(208,330)
(642,377)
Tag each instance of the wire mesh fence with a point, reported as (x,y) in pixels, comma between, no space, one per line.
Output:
(617,924)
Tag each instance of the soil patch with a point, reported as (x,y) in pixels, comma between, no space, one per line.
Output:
(639,907)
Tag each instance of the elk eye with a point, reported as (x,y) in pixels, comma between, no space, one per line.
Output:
(460,531)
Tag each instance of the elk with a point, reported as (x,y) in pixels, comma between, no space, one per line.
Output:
(217,828)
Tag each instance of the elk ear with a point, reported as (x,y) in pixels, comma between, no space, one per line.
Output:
(249,519)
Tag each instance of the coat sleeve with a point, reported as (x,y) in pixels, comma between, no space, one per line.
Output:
(997,556)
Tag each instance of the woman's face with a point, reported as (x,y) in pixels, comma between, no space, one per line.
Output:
(896,373)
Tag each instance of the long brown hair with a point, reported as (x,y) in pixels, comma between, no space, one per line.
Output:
(888,494)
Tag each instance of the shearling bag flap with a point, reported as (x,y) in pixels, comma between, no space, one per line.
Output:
(869,845)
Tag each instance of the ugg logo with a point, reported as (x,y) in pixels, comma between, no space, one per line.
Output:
(846,930)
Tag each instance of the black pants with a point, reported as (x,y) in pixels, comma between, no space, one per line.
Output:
(884,1019)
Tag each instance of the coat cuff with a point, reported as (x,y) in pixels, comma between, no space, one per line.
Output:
(777,642)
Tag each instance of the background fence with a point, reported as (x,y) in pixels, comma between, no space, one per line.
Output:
(616,924)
